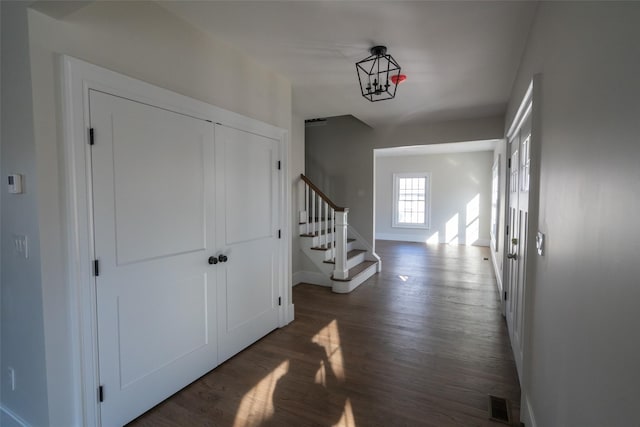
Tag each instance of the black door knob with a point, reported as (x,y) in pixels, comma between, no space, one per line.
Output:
(222,258)
(213,260)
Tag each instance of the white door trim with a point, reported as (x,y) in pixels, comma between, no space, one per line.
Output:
(530,105)
(521,114)
(78,77)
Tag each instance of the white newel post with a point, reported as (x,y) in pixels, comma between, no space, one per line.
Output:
(341,271)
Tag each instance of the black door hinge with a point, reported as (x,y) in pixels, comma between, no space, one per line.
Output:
(96,267)
(101,394)
(279,300)
(91,139)
(509,163)
(505,295)
(279,165)
(507,230)
(279,234)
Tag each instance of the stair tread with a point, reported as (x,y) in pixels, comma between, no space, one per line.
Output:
(351,254)
(316,234)
(355,271)
(325,247)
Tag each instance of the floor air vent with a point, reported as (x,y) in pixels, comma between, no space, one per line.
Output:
(499,409)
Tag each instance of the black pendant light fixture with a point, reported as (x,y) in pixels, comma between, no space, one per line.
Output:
(379,75)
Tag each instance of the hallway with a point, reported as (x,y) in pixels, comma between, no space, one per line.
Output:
(421,344)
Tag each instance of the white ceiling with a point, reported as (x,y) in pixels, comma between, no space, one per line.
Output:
(460,57)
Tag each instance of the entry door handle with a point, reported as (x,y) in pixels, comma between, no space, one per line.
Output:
(512,256)
(213,260)
(222,258)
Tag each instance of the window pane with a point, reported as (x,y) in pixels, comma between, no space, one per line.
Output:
(411,200)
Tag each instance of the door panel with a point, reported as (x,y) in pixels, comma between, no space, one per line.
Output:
(247,208)
(157,157)
(248,198)
(164,318)
(152,176)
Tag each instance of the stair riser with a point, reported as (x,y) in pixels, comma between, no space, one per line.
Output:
(318,257)
(316,242)
(352,262)
(346,287)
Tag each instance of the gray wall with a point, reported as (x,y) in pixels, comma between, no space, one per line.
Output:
(339,160)
(458,181)
(339,156)
(23,346)
(139,39)
(581,367)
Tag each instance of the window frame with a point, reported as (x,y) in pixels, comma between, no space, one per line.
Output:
(427,200)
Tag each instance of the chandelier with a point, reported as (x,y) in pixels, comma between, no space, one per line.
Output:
(379,75)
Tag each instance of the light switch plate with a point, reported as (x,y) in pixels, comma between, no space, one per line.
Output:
(540,243)
(14,183)
(20,245)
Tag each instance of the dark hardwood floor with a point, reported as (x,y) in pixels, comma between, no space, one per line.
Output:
(421,344)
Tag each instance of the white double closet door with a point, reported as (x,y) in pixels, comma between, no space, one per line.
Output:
(170,192)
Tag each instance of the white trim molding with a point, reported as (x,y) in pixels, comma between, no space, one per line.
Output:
(482,242)
(16,418)
(422,238)
(402,237)
(312,278)
(498,273)
(527,412)
(79,78)
(291,313)
(395,222)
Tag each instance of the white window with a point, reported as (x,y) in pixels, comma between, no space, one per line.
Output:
(411,200)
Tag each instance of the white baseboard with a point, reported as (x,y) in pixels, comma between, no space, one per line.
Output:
(311,277)
(496,270)
(482,242)
(291,313)
(17,419)
(527,412)
(421,239)
(401,237)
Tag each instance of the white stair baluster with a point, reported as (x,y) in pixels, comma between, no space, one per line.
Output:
(306,206)
(324,225)
(333,233)
(313,212)
(327,224)
(320,220)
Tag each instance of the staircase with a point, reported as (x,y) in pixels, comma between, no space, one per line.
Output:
(339,252)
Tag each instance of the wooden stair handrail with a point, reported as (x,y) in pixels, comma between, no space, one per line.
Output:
(322,195)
